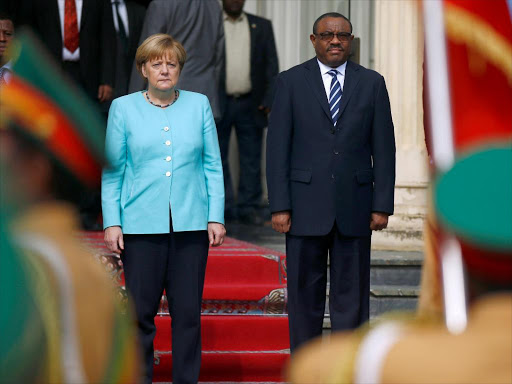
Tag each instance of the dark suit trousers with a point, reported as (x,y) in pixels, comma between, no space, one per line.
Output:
(349,296)
(175,262)
(240,112)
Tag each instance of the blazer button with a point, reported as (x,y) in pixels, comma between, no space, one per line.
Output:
(167,173)
(168,158)
(166,129)
(336,152)
(333,131)
(168,142)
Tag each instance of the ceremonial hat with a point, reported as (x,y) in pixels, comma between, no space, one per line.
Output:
(48,109)
(473,200)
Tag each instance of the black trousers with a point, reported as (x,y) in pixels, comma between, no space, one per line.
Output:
(175,262)
(240,112)
(349,295)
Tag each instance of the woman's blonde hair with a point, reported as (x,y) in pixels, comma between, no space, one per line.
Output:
(157,46)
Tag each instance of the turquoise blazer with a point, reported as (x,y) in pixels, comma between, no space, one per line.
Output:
(162,160)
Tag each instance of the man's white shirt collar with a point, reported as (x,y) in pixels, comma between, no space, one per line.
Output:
(324,68)
(326,78)
(237,20)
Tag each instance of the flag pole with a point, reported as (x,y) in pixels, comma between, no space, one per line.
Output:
(443,154)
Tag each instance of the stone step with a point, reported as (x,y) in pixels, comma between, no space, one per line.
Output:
(403,239)
(396,268)
(385,298)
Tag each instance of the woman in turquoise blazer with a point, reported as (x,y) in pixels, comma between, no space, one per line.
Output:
(163,200)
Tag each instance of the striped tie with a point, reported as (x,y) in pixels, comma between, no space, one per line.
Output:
(335,96)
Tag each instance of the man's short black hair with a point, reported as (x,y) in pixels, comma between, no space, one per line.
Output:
(4,15)
(330,14)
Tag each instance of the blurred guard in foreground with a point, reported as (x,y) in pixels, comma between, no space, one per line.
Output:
(60,319)
(397,351)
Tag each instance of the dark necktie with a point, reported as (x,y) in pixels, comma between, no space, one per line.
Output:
(335,96)
(71,34)
(121,28)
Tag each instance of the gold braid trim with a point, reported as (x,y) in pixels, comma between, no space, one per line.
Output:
(463,27)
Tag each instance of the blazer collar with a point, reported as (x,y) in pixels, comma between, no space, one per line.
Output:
(54,18)
(314,78)
(253,26)
(129,12)
(85,14)
(351,81)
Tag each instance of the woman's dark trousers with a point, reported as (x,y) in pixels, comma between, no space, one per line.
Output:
(175,262)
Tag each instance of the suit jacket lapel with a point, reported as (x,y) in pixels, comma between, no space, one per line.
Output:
(351,80)
(253,26)
(85,12)
(55,18)
(314,78)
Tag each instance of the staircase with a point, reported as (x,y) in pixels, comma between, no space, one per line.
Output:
(395,275)
(394,282)
(244,319)
(244,315)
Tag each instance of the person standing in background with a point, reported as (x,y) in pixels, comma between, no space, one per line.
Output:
(6,35)
(331,178)
(80,35)
(197,24)
(128,22)
(251,68)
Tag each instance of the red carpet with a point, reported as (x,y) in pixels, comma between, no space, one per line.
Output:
(244,320)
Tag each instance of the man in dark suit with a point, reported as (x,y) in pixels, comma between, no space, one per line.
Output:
(247,82)
(128,22)
(330,175)
(80,35)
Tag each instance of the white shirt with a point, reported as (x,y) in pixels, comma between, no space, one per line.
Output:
(123,13)
(327,79)
(238,55)
(66,55)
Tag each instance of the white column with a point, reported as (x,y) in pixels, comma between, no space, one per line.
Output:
(361,17)
(398,43)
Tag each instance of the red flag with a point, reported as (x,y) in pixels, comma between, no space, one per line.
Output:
(468,106)
(479,46)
